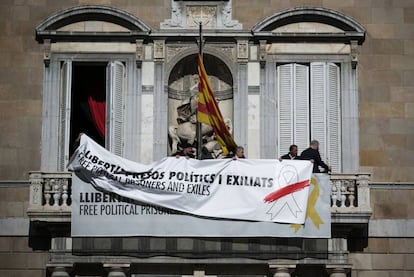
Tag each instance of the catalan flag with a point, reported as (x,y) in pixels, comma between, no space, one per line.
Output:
(209,112)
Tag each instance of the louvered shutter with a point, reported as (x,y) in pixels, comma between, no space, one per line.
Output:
(301,107)
(318,106)
(293,106)
(285,107)
(325,112)
(333,117)
(114,109)
(64,113)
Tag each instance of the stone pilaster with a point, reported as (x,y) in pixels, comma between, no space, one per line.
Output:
(160,102)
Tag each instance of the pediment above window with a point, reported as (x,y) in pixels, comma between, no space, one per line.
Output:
(92,23)
(309,24)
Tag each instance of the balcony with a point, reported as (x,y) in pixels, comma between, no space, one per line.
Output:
(50,198)
(50,209)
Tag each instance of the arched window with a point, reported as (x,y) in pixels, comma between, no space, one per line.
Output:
(90,71)
(183,99)
(311,56)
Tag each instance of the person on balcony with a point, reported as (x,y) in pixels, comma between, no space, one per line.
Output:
(237,154)
(292,155)
(187,151)
(312,154)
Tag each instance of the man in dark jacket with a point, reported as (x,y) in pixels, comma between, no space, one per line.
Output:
(292,155)
(312,153)
(187,151)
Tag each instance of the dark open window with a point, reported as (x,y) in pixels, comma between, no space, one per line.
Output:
(88,102)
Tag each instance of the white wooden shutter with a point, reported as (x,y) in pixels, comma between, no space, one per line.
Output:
(115,106)
(64,113)
(318,106)
(293,106)
(334,116)
(301,107)
(325,112)
(285,107)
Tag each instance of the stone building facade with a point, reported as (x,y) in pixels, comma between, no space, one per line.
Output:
(341,70)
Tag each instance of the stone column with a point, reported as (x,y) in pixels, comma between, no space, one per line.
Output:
(281,272)
(199,273)
(337,272)
(116,272)
(59,271)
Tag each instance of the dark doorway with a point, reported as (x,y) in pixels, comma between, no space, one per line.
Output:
(88,106)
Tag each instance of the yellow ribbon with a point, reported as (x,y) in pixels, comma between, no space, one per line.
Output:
(311,210)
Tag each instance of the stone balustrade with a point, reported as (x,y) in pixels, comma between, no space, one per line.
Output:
(350,193)
(51,193)
(50,196)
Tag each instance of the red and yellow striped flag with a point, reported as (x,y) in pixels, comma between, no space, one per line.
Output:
(209,112)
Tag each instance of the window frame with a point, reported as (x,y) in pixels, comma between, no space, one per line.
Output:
(308,107)
(349,129)
(53,154)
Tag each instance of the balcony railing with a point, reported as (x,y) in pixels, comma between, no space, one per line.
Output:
(50,196)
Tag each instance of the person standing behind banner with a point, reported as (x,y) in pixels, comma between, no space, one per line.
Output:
(312,154)
(239,153)
(186,152)
(292,155)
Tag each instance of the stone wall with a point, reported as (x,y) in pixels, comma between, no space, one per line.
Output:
(17,259)
(391,238)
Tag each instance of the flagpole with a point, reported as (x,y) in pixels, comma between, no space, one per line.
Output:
(198,129)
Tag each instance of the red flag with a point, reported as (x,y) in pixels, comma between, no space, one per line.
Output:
(209,112)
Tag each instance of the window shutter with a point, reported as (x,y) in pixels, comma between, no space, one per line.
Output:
(318,106)
(114,111)
(285,104)
(325,112)
(64,113)
(334,130)
(301,107)
(293,108)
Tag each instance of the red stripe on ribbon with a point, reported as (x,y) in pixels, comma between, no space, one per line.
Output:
(286,190)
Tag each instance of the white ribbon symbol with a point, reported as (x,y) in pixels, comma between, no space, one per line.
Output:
(288,175)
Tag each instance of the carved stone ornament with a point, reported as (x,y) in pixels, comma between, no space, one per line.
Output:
(46,52)
(242,50)
(159,50)
(212,15)
(172,51)
(139,52)
(354,53)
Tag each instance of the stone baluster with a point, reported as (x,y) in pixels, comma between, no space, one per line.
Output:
(65,192)
(334,194)
(351,197)
(47,192)
(343,190)
(56,191)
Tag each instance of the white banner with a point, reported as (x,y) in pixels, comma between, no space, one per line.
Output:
(243,189)
(99,214)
